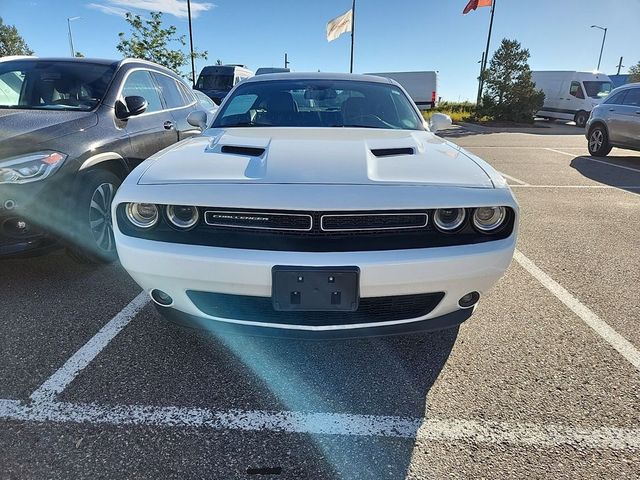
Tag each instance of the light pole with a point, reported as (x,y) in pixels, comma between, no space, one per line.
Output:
(604,37)
(193,60)
(69,20)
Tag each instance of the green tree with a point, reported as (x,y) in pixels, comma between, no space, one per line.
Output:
(150,40)
(509,94)
(79,55)
(634,73)
(11,43)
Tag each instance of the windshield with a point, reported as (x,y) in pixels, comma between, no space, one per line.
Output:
(597,89)
(215,81)
(319,103)
(53,85)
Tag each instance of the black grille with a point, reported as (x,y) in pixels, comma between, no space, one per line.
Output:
(260,309)
(390,152)
(239,150)
(258,220)
(359,230)
(383,221)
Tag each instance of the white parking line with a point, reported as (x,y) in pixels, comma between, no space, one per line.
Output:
(475,431)
(613,338)
(55,384)
(594,160)
(513,178)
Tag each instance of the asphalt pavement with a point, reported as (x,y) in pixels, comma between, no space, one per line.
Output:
(542,382)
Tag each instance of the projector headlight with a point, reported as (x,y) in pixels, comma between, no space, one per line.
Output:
(487,219)
(31,167)
(182,216)
(142,215)
(448,219)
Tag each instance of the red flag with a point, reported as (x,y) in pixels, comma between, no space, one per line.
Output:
(473,4)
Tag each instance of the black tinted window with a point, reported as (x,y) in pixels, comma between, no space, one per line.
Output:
(319,103)
(170,91)
(616,99)
(140,83)
(53,85)
(632,98)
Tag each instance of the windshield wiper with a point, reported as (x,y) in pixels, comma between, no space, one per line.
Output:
(246,124)
(354,125)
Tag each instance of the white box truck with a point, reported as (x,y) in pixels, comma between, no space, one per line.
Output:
(571,95)
(422,87)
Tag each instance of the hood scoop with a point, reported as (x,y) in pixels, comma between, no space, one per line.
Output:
(392,152)
(240,150)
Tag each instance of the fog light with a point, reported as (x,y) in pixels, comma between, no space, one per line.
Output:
(469,300)
(161,298)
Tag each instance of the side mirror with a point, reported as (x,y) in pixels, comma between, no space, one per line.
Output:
(197,118)
(439,121)
(133,105)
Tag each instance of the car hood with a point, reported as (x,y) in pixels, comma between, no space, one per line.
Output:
(26,130)
(354,156)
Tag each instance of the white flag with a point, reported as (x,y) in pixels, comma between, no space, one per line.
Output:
(339,25)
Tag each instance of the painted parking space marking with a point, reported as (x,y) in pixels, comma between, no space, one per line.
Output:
(594,160)
(55,384)
(475,431)
(613,338)
(509,177)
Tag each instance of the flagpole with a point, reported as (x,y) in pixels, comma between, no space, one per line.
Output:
(486,54)
(353,28)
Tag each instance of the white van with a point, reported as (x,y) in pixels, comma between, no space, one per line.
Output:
(422,87)
(571,95)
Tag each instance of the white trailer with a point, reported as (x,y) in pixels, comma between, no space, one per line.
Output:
(421,86)
(571,95)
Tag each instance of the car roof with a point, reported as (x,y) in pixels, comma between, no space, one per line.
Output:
(99,61)
(318,76)
(626,86)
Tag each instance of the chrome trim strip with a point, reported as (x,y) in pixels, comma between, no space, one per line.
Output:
(426,221)
(226,212)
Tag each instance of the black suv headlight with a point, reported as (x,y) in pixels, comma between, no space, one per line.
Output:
(30,167)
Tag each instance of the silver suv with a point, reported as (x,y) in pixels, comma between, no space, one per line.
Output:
(616,121)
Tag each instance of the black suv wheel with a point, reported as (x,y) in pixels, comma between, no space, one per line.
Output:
(598,143)
(92,227)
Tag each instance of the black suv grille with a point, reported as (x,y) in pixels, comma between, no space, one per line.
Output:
(260,309)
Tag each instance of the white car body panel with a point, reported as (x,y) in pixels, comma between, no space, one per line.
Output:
(435,161)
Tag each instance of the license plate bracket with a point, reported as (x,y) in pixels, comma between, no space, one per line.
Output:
(315,289)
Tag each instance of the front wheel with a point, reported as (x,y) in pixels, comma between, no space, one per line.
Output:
(93,240)
(598,144)
(581,119)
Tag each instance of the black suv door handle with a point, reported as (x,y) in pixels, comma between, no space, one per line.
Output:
(168,125)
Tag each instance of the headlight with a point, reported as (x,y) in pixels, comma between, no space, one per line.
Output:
(31,167)
(182,217)
(142,215)
(448,219)
(487,219)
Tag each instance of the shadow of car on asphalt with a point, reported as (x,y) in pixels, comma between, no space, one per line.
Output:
(383,376)
(612,176)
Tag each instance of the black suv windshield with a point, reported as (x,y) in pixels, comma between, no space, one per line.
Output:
(53,85)
(319,103)
(215,81)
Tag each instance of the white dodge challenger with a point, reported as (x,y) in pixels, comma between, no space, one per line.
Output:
(316,205)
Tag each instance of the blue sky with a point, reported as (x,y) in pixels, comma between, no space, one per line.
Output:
(390,35)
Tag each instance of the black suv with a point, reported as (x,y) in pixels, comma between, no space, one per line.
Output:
(70,132)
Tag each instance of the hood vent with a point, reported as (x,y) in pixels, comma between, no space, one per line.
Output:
(392,152)
(239,150)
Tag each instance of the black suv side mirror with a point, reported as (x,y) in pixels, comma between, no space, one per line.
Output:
(133,105)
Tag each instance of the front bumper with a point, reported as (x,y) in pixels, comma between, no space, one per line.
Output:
(177,268)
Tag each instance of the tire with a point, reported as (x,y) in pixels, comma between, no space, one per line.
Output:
(581,119)
(598,141)
(91,229)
